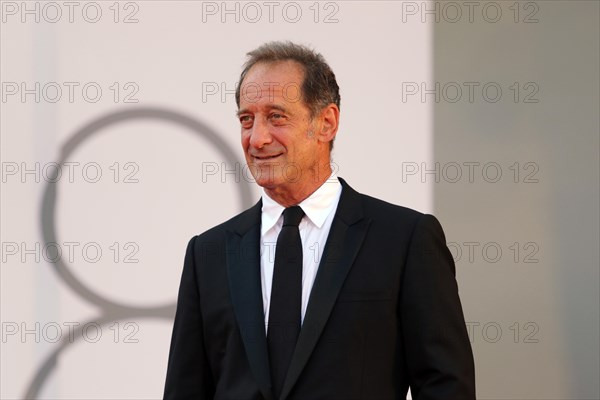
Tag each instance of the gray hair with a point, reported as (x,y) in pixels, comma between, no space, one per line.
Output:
(319,87)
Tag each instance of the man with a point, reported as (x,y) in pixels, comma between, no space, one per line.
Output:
(343,297)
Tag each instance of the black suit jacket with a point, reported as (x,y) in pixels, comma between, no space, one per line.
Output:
(383,314)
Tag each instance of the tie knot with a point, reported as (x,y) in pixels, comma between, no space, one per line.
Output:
(292,216)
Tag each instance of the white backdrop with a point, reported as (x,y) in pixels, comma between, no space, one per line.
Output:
(162,179)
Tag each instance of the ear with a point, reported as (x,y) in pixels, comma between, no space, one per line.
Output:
(329,119)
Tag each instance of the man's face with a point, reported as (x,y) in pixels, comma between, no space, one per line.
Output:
(278,138)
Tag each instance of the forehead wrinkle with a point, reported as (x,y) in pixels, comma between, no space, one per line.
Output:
(277,107)
(257,96)
(268,106)
(270,87)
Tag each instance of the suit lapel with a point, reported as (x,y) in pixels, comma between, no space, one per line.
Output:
(346,235)
(243,267)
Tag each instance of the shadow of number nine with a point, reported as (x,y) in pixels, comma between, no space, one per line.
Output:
(112,311)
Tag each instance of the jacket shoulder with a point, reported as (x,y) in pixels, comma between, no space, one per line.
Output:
(377,207)
(374,207)
(395,217)
(240,222)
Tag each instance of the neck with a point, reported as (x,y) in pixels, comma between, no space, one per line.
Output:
(297,192)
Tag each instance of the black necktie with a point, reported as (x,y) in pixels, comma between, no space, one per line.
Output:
(286,298)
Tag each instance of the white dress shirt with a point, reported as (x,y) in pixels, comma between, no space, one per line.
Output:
(319,209)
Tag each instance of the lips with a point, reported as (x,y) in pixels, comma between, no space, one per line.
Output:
(266,157)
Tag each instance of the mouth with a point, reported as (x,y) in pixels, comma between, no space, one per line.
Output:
(266,157)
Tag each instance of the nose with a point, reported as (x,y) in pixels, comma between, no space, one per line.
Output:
(260,135)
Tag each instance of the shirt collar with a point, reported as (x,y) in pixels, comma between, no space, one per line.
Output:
(317,206)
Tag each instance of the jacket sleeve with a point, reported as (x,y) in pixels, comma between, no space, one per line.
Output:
(188,372)
(438,351)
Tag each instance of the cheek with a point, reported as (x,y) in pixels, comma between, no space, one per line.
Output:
(245,139)
(284,137)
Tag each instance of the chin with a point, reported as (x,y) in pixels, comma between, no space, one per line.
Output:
(266,175)
(270,182)
(267,183)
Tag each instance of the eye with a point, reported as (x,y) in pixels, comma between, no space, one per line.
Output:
(277,117)
(246,120)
